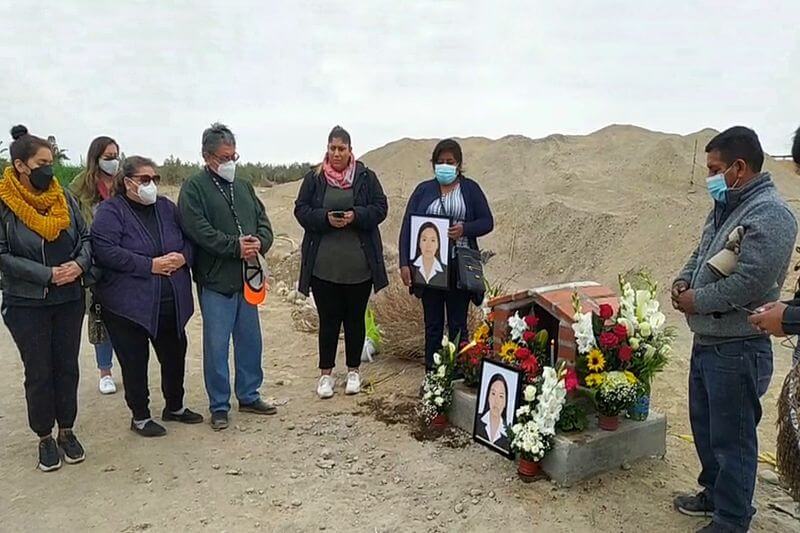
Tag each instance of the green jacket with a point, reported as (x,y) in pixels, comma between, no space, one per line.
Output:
(86,200)
(207,220)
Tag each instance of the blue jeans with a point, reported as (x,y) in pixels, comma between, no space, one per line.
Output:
(726,382)
(104,354)
(225,317)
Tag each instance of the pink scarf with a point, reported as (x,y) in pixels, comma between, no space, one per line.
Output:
(340,180)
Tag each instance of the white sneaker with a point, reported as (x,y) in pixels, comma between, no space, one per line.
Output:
(353,383)
(107,385)
(325,387)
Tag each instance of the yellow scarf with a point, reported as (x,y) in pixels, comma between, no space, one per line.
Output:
(46,214)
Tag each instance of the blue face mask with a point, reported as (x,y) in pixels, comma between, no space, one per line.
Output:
(718,187)
(445,174)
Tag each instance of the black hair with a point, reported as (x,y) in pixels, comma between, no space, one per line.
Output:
(796,148)
(340,133)
(25,145)
(215,136)
(738,142)
(495,379)
(131,165)
(429,225)
(448,145)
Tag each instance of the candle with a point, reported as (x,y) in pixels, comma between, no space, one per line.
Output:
(552,352)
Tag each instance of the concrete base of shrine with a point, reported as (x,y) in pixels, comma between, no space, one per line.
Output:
(578,456)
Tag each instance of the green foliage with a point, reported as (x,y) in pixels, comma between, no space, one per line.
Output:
(373,331)
(174,172)
(573,419)
(65,172)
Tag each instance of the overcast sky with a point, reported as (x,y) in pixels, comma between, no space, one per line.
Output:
(282,73)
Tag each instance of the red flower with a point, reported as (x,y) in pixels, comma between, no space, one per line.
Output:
(523,353)
(473,361)
(606,311)
(608,340)
(528,336)
(571,380)
(532,321)
(621,332)
(625,353)
(530,366)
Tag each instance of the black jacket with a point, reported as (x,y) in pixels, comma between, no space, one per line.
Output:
(370,208)
(24,273)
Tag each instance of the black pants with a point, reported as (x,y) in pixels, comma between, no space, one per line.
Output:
(434,304)
(336,304)
(132,344)
(48,339)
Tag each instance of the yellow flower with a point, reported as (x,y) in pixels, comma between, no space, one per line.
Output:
(507,351)
(631,378)
(596,361)
(481,333)
(594,380)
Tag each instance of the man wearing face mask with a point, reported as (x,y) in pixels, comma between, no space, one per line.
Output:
(731,363)
(228,224)
(145,291)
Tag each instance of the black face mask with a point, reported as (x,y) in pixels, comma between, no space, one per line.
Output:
(42,177)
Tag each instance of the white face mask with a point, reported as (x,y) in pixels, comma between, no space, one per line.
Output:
(109,166)
(227,171)
(148,193)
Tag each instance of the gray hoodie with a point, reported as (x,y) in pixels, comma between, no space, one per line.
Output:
(766,249)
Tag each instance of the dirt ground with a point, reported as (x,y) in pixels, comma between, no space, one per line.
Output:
(347,464)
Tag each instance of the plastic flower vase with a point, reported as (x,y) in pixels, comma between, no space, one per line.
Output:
(528,470)
(439,421)
(641,409)
(608,423)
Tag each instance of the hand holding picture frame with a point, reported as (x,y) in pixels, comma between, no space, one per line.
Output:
(430,246)
(496,409)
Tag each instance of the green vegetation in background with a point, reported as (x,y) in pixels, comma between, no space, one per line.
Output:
(174,171)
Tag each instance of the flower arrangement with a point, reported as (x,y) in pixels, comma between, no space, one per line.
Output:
(438,387)
(469,359)
(526,348)
(616,393)
(532,434)
(635,339)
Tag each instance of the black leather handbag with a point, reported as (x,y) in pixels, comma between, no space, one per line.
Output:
(469,270)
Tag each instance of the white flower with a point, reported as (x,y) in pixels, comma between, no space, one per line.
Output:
(650,351)
(437,359)
(518,326)
(442,371)
(524,410)
(665,349)
(445,342)
(530,393)
(634,342)
(657,321)
(439,401)
(645,329)
(584,332)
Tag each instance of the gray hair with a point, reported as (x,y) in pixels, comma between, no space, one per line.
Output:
(215,136)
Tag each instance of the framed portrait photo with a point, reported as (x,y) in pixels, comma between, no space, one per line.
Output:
(429,251)
(498,399)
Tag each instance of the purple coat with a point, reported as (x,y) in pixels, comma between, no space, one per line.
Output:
(124,250)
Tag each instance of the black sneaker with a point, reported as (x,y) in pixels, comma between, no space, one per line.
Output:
(49,458)
(258,407)
(219,420)
(186,417)
(150,429)
(694,505)
(73,451)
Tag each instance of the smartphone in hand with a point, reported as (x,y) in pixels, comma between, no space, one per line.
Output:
(743,309)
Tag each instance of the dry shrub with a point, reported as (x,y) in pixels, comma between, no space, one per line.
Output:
(399,315)
(305,318)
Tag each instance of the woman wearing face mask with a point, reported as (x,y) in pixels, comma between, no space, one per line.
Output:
(91,187)
(145,291)
(340,205)
(449,193)
(44,251)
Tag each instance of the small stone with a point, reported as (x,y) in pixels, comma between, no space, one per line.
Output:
(233,472)
(297,503)
(626,466)
(769,476)
(430,517)
(397,480)
(475,501)
(459,508)
(491,494)
(326,454)
(290,427)
(137,469)
(250,490)
(325,464)
(148,480)
(110,468)
(215,466)
(293,475)
(279,383)
(475,493)
(350,423)
(260,492)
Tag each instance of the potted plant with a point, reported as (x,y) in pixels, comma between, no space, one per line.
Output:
(438,388)
(615,393)
(535,428)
